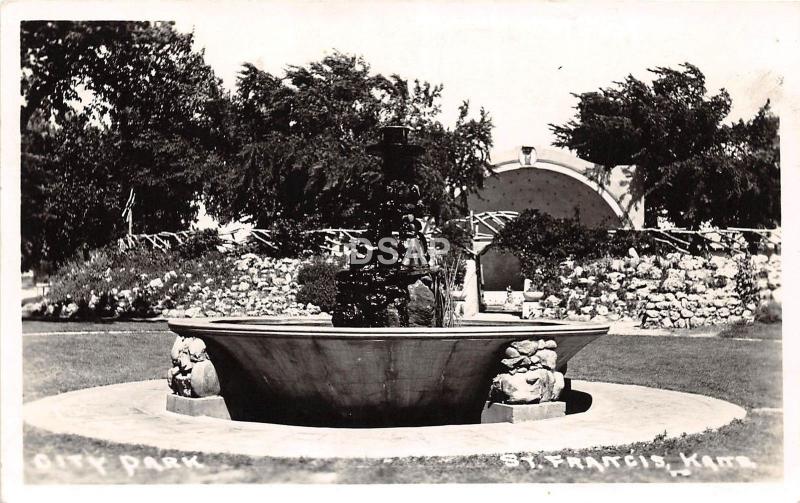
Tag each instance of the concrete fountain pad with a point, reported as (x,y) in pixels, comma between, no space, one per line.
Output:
(134,413)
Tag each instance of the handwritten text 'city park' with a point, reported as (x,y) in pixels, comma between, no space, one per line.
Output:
(102,465)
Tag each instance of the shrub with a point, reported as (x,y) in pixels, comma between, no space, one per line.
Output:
(318,282)
(77,281)
(541,242)
(290,239)
(135,283)
(746,282)
(199,243)
(769,312)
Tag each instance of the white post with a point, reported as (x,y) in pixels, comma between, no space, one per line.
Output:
(471,289)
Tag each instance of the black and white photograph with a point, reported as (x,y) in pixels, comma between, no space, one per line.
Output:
(533,247)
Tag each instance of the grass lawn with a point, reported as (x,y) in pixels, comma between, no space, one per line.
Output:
(741,371)
(46,327)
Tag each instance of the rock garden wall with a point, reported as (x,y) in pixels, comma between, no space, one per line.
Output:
(673,290)
(260,286)
(216,285)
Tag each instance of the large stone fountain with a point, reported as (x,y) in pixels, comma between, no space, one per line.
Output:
(375,364)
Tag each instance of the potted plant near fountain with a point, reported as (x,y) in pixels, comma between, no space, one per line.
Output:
(531,292)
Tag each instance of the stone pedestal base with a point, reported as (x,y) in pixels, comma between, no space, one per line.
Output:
(505,413)
(210,406)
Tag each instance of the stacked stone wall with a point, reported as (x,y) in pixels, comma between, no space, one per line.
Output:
(674,290)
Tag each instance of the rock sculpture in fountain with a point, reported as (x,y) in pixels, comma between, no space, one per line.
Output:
(378,292)
(529,374)
(192,374)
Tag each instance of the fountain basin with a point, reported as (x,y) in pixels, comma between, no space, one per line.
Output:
(303,371)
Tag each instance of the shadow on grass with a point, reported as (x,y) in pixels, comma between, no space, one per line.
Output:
(761,331)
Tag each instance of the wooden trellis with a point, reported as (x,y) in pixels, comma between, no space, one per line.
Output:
(484,226)
(168,240)
(160,241)
(494,221)
(335,240)
(262,236)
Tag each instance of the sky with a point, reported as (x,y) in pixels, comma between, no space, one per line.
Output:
(519,60)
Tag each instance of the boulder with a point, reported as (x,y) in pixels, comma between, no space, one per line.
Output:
(178,347)
(696,321)
(552,301)
(420,305)
(675,280)
(525,347)
(697,287)
(512,362)
(196,349)
(534,386)
(33,309)
(70,310)
(204,379)
(548,358)
(156,284)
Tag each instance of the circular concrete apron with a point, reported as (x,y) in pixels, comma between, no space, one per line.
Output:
(134,413)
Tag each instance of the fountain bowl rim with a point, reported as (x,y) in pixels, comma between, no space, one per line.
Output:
(319,327)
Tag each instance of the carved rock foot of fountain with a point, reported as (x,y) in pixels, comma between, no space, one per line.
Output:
(530,376)
(192,374)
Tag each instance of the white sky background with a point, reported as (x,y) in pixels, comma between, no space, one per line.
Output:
(519,60)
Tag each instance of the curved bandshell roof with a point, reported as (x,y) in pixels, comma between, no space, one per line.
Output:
(558,183)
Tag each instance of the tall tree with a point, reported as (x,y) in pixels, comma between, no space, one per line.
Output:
(299,145)
(147,104)
(690,167)
(68,188)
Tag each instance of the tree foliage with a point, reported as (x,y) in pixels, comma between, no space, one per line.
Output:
(110,107)
(690,167)
(67,190)
(114,106)
(298,145)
